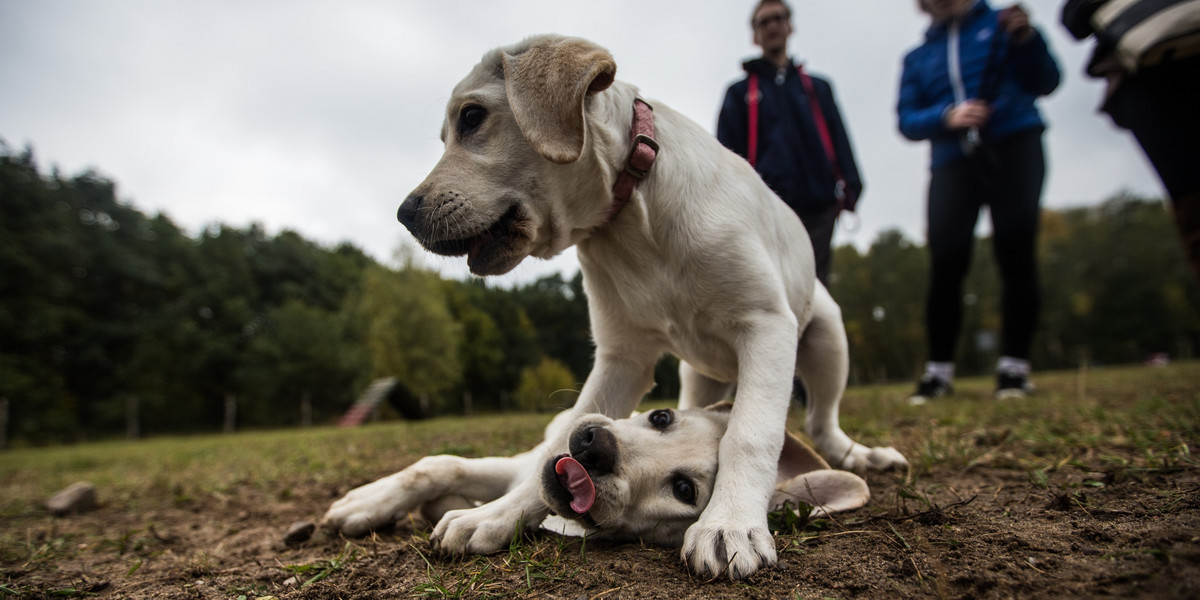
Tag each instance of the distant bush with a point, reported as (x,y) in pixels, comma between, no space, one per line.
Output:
(549,385)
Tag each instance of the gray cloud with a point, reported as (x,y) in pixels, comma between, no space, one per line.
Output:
(321,116)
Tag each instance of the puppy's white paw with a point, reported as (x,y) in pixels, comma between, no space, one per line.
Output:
(481,530)
(369,507)
(728,546)
(861,458)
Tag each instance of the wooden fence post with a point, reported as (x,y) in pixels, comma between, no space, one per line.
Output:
(3,423)
(306,409)
(133,418)
(230,413)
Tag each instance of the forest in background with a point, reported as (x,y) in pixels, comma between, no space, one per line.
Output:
(108,313)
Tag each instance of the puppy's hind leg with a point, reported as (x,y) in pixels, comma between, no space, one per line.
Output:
(823,363)
(697,390)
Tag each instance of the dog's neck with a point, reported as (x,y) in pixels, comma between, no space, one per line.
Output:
(641,156)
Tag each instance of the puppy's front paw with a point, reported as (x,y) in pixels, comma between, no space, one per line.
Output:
(366,508)
(861,458)
(481,530)
(728,547)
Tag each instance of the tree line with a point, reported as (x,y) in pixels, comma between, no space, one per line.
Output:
(111,317)
(1115,288)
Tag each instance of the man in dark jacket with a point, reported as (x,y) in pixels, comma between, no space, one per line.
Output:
(801,150)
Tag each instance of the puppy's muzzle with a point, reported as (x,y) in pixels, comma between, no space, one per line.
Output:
(595,447)
(568,484)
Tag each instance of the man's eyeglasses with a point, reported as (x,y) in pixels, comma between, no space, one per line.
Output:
(780,18)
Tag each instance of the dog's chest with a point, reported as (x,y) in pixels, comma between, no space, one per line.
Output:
(649,308)
(708,349)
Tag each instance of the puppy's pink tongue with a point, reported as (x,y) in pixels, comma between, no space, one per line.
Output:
(575,478)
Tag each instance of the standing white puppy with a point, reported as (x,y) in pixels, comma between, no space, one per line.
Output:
(683,250)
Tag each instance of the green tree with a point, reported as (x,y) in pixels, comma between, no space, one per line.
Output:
(881,295)
(558,309)
(299,363)
(407,330)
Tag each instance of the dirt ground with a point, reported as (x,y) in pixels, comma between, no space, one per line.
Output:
(981,532)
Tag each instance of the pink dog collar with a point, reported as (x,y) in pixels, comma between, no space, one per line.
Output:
(641,157)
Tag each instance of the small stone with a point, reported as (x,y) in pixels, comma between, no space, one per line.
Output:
(782,565)
(76,498)
(291,582)
(299,533)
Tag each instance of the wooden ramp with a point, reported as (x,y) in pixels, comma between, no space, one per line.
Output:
(368,402)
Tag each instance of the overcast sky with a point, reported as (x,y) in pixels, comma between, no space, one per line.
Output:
(321,116)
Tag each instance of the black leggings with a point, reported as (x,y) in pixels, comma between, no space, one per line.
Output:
(1010,184)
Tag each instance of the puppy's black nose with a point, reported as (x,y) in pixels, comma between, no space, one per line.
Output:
(595,447)
(407,214)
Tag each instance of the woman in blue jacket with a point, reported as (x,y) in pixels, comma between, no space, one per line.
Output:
(970,89)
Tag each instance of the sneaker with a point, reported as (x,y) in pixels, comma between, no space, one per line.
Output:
(1012,386)
(928,388)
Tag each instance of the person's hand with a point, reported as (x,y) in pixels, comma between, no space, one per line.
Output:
(971,113)
(1015,21)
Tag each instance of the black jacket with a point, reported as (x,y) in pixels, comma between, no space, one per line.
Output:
(791,157)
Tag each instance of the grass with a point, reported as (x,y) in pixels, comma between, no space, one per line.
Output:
(536,562)
(1082,431)
(311,573)
(146,473)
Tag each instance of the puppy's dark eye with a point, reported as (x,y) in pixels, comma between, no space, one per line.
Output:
(470,118)
(661,419)
(684,490)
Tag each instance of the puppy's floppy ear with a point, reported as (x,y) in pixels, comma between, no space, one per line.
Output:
(804,476)
(723,406)
(797,458)
(827,491)
(547,85)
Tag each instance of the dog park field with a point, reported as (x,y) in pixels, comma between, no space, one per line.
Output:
(1086,489)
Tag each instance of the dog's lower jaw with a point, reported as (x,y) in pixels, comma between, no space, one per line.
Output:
(494,250)
(494,261)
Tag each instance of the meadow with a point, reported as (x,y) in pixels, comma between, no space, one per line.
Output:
(1086,489)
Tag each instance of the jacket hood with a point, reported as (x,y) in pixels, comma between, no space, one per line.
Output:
(763,66)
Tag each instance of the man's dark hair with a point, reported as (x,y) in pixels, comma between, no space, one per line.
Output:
(786,9)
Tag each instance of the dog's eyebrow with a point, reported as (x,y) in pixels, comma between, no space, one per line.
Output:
(487,96)
(469,99)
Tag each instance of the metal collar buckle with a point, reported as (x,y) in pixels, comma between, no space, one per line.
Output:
(641,138)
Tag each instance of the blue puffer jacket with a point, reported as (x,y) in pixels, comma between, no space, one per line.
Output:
(1015,76)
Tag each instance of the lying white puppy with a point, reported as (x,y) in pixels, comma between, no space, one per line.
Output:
(683,249)
(645,478)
